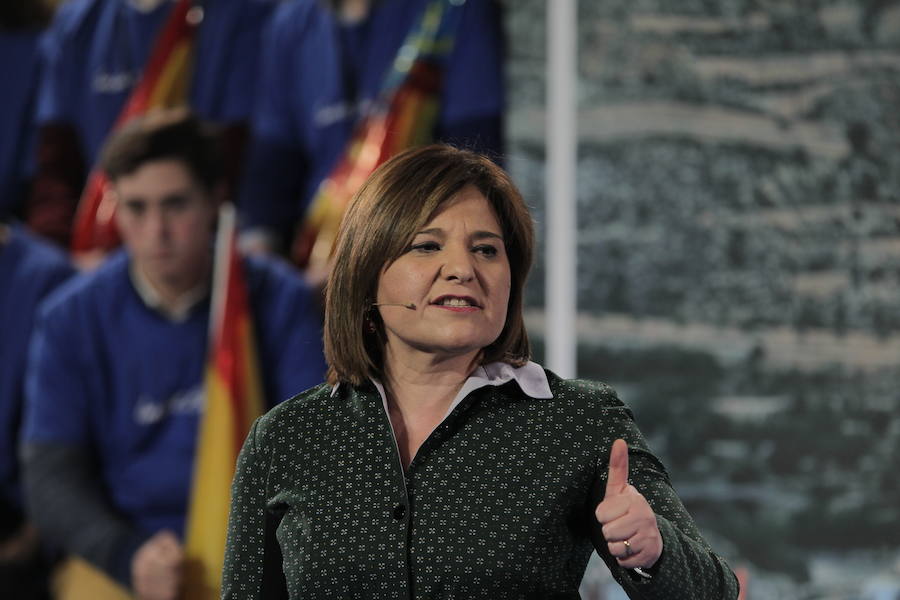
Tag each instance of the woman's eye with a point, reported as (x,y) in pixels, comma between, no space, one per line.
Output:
(425,247)
(486,250)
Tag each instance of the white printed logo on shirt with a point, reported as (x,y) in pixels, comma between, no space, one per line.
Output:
(148,410)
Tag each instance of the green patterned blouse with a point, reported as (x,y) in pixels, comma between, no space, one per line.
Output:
(497,503)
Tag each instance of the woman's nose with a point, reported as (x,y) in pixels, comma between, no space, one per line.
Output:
(458,265)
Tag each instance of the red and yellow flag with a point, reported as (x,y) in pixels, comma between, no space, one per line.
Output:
(234,398)
(164,83)
(403,116)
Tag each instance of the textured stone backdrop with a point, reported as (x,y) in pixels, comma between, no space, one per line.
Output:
(739,264)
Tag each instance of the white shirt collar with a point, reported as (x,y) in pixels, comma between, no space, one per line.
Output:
(531,379)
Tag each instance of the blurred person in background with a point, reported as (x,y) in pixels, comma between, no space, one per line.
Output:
(96,54)
(345,84)
(438,461)
(116,368)
(29,270)
(21,25)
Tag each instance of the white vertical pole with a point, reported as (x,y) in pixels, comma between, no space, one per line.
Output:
(561,305)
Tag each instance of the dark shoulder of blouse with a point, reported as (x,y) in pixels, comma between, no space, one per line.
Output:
(498,501)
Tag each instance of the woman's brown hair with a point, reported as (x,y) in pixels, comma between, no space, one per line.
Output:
(400,197)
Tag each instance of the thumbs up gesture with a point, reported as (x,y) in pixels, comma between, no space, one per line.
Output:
(629,524)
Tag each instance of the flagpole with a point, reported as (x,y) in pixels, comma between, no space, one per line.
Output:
(233,399)
(560,279)
(221,261)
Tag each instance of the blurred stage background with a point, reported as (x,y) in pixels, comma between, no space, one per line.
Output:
(739,265)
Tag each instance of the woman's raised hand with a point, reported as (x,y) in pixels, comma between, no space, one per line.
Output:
(629,524)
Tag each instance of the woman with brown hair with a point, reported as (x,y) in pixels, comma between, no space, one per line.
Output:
(437,461)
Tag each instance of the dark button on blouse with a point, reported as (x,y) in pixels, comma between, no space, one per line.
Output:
(399,511)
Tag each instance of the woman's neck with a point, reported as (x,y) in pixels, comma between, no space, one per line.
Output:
(420,389)
(422,381)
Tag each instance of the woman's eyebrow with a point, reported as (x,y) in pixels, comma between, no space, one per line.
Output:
(431,231)
(476,235)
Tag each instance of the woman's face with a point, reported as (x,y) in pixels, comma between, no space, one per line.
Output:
(456,272)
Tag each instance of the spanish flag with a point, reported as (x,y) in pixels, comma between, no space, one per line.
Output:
(234,398)
(164,83)
(404,115)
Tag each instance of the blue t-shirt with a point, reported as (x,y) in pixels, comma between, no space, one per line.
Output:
(96,49)
(29,270)
(317,75)
(19,68)
(109,374)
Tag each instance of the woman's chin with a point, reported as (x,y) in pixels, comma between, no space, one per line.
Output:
(456,349)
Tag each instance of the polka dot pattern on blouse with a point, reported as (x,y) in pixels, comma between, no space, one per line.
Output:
(497,503)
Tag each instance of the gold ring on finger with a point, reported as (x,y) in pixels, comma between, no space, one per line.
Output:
(628,550)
